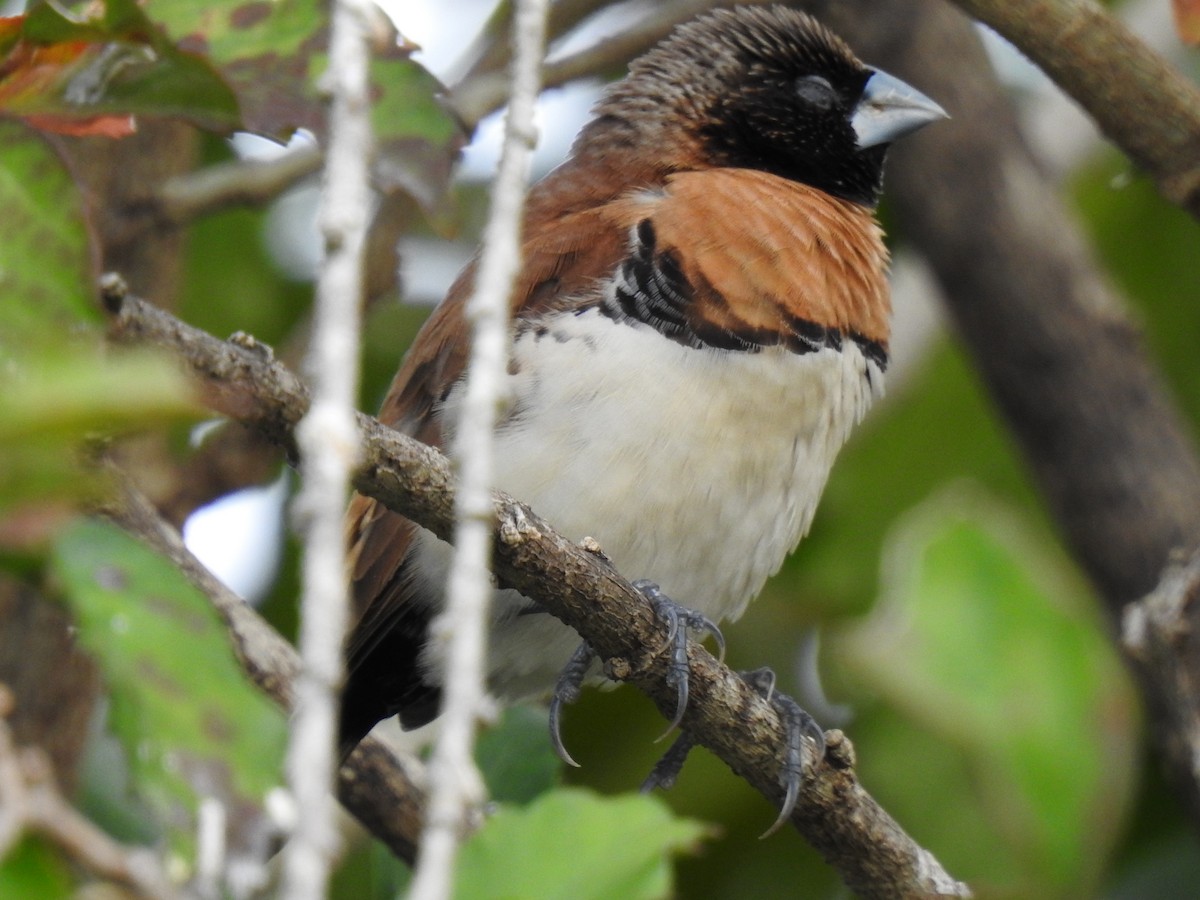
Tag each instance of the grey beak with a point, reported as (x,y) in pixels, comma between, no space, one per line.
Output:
(890,109)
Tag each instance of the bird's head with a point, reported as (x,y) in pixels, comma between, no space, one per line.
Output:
(765,88)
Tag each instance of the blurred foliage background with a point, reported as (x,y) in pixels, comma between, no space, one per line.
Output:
(960,648)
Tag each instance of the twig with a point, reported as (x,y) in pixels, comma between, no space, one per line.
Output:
(1161,633)
(184,198)
(485,89)
(455,784)
(328,451)
(1141,103)
(492,50)
(30,802)
(871,852)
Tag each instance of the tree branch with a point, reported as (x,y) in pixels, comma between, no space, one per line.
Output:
(1141,103)
(1049,334)
(184,198)
(871,852)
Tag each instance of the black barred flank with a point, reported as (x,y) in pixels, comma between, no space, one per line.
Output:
(651,288)
(872,350)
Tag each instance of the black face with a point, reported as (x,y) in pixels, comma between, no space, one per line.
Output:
(791,118)
(762,87)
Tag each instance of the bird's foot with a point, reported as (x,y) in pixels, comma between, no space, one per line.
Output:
(799,724)
(679,620)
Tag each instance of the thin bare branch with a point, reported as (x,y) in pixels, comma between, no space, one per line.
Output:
(492,50)
(247,182)
(328,452)
(456,787)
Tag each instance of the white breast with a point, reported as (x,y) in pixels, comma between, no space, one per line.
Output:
(698,469)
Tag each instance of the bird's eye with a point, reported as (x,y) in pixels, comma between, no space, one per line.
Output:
(817,92)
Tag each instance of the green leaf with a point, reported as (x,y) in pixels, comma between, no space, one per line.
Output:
(193,727)
(574,844)
(46,270)
(64,396)
(274,54)
(1001,693)
(516,757)
(369,870)
(419,136)
(33,869)
(52,401)
(214,296)
(263,49)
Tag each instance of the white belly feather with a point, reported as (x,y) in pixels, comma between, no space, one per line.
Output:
(699,469)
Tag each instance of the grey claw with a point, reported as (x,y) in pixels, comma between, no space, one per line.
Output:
(799,724)
(681,703)
(566,690)
(556,740)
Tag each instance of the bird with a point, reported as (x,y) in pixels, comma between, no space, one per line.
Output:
(701,318)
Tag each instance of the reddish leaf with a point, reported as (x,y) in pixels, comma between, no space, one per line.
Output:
(31,77)
(90,76)
(95,126)
(1187,20)
(10,32)
(30,526)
